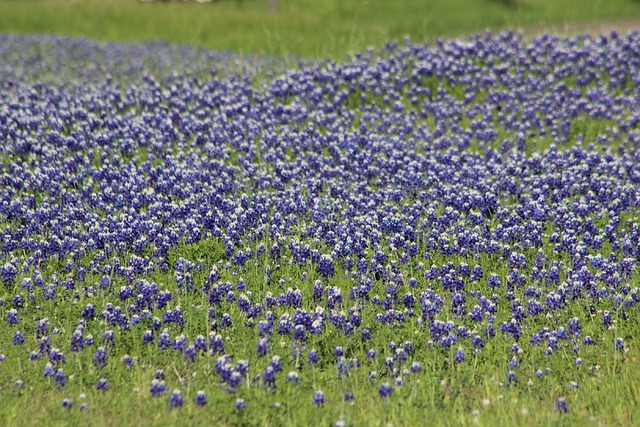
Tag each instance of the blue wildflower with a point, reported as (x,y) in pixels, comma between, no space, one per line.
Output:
(562,405)
(201,398)
(175,400)
(318,398)
(385,390)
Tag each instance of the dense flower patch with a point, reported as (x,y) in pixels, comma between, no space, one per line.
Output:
(347,230)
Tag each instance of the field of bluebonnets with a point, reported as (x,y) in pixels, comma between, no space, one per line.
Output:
(444,232)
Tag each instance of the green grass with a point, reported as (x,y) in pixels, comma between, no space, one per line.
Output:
(307,28)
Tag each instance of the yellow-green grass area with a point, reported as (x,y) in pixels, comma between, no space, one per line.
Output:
(306,28)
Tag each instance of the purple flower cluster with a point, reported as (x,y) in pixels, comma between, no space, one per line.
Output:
(449,194)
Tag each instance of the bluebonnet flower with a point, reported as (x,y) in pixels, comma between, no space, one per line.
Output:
(180,342)
(493,281)
(326,266)
(240,404)
(147,337)
(293,377)
(175,400)
(269,378)
(200,343)
(13,318)
(127,360)
(574,326)
(389,362)
(385,390)
(77,340)
(158,388)
(313,357)
(535,339)
(225,320)
(459,356)
(18,338)
(60,378)
(263,347)
(100,357)
(17,302)
(409,348)
(89,312)
(67,403)
(103,384)
(49,371)
(201,398)
(56,356)
(317,290)
(243,367)
(318,398)
(108,336)
(42,328)
(541,373)
(512,379)
(562,406)
(344,367)
(299,333)
(514,363)
(234,381)
(164,340)
(216,343)
(477,342)
(276,363)
(190,353)
(607,321)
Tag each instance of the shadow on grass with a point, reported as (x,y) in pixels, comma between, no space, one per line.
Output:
(508,3)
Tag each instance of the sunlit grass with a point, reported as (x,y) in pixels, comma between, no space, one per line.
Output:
(303,27)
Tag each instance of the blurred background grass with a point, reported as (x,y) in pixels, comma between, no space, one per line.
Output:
(307,28)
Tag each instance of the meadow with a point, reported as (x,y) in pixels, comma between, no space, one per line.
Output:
(307,28)
(423,232)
